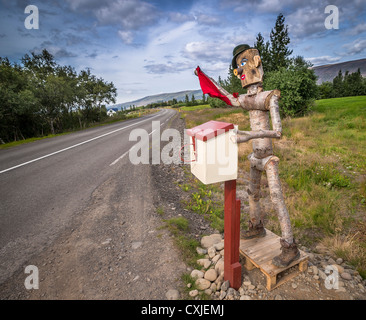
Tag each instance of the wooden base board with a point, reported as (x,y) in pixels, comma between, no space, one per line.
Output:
(259,252)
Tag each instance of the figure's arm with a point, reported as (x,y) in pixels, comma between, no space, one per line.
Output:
(248,135)
(276,133)
(212,88)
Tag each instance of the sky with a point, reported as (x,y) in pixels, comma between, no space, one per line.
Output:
(152,47)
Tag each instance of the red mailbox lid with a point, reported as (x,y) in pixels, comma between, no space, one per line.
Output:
(209,130)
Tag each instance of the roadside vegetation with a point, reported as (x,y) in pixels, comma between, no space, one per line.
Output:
(323,174)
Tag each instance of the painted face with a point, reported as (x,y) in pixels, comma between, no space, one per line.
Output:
(249,68)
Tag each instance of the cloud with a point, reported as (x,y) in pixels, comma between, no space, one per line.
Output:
(129,15)
(360,28)
(208,50)
(163,68)
(180,17)
(306,21)
(355,47)
(126,36)
(209,20)
(323,60)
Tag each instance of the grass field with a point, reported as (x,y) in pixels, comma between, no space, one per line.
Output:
(323,173)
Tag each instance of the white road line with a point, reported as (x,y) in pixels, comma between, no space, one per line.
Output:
(122,156)
(76,145)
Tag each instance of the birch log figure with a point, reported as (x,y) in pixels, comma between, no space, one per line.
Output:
(247,66)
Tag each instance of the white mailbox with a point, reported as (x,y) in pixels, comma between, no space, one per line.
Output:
(214,156)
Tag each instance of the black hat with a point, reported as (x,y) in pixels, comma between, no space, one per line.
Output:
(237,50)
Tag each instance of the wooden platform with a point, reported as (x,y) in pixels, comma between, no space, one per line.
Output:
(259,252)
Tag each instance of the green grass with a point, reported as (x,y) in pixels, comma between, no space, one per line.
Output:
(20,142)
(194,108)
(178,227)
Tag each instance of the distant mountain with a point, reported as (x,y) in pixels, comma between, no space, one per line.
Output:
(329,71)
(162,97)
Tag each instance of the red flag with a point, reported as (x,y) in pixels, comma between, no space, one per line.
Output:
(208,87)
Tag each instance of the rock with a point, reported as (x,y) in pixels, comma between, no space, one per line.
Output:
(315,270)
(346,276)
(331,261)
(231,292)
(219,267)
(222,295)
(294,285)
(201,251)
(207,264)
(172,294)
(197,274)
(210,275)
(322,274)
(338,267)
(225,285)
(202,262)
(339,261)
(136,245)
(219,246)
(251,287)
(213,287)
(247,283)
(311,256)
(107,241)
(193,293)
(202,284)
(211,252)
(341,289)
(278,297)
(209,241)
(261,287)
(245,297)
(208,291)
(321,249)
(216,258)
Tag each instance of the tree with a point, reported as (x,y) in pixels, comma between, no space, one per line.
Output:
(338,85)
(47,86)
(17,102)
(186,100)
(279,51)
(264,52)
(193,100)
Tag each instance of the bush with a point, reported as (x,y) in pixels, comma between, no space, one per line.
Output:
(297,84)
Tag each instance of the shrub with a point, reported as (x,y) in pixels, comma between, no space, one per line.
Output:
(297,84)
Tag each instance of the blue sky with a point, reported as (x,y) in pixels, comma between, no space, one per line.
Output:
(151,47)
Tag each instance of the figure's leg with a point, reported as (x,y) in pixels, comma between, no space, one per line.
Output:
(288,246)
(256,228)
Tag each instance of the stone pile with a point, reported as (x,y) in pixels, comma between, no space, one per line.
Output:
(210,278)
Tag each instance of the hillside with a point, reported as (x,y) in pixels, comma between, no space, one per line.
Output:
(180,96)
(329,71)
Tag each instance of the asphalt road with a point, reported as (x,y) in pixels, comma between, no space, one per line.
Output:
(44,184)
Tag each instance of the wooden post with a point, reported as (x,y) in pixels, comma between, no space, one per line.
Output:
(232,267)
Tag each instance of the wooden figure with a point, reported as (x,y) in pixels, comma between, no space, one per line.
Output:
(247,66)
